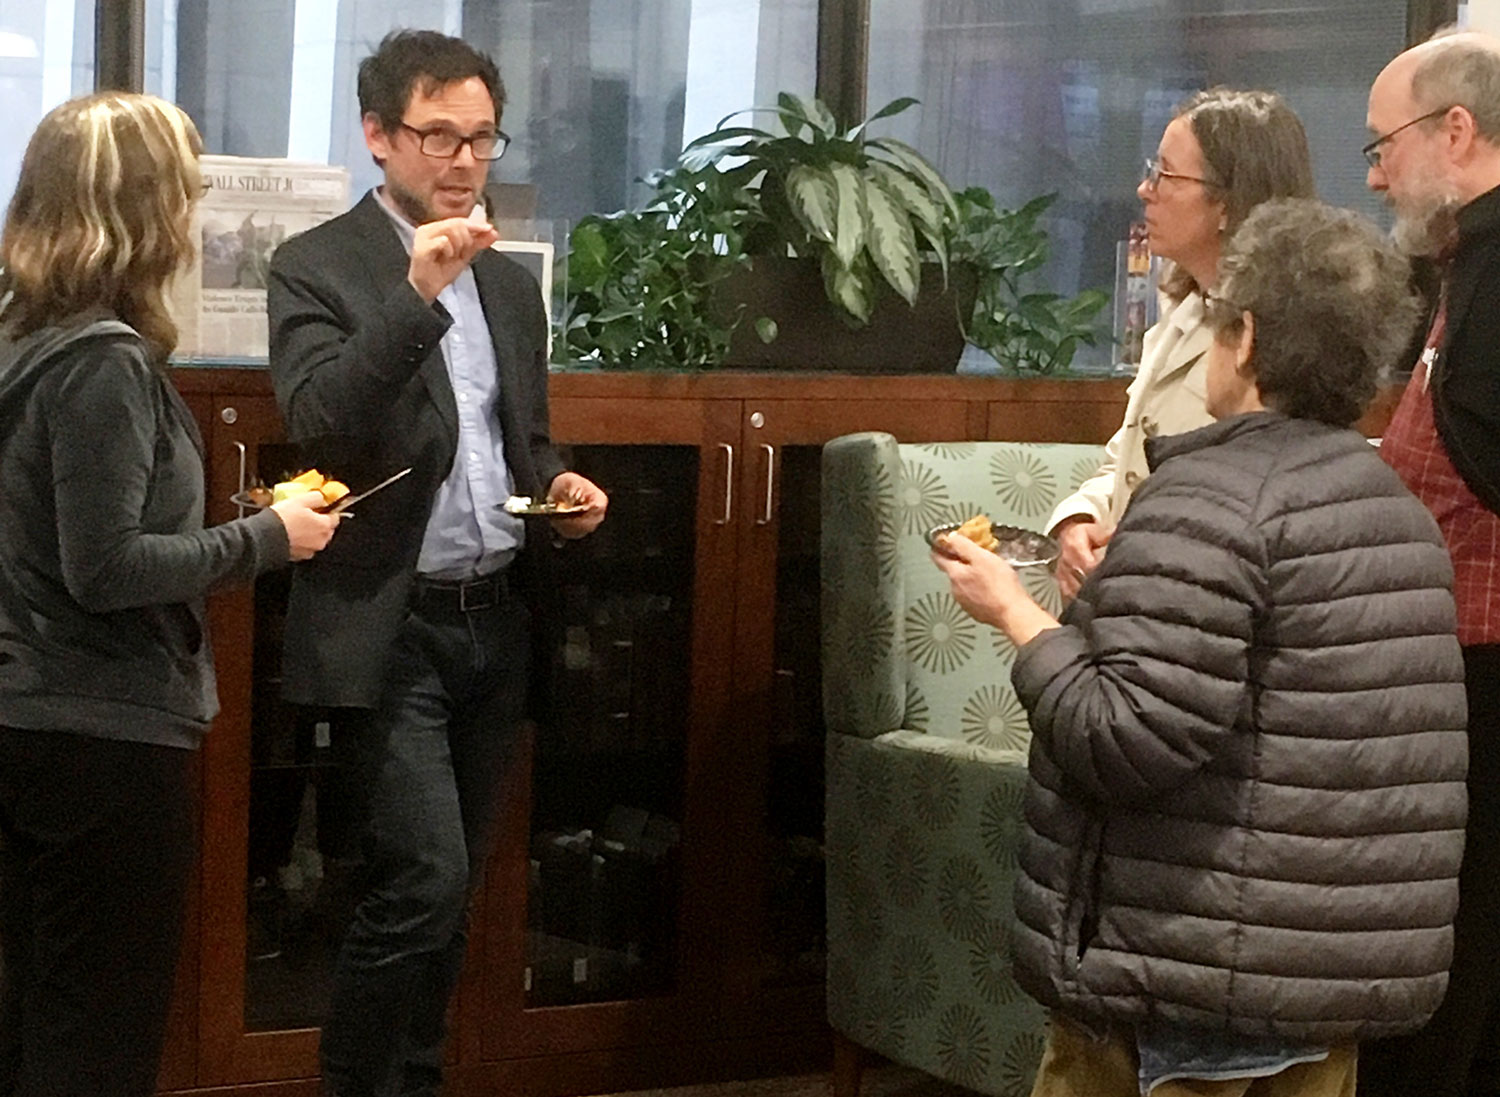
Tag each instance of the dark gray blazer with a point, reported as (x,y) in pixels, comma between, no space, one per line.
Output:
(363,390)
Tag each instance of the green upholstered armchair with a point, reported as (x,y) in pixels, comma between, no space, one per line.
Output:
(927,750)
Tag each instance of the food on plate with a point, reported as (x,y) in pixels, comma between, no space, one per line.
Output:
(979,530)
(525,504)
(333,491)
(258,495)
(311,480)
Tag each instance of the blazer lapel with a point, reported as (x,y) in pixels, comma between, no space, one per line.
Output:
(486,269)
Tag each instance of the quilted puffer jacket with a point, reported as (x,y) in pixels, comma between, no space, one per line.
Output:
(1246,804)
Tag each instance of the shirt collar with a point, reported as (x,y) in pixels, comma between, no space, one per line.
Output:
(404,228)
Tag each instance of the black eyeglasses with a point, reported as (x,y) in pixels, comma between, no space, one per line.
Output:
(443,144)
(1371,151)
(1155,173)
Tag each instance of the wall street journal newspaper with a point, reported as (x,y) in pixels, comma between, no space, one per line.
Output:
(251,206)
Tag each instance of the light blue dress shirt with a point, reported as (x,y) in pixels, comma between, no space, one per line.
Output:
(468,533)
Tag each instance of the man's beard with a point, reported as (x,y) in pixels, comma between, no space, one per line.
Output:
(416,210)
(1427,224)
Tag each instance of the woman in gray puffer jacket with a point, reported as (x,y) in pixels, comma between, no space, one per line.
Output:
(1246,808)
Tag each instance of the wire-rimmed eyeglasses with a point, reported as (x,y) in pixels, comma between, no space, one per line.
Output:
(1371,152)
(1154,173)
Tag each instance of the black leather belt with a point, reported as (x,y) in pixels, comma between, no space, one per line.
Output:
(461,595)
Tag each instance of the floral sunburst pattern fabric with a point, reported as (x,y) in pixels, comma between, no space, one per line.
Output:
(939,634)
(1024,482)
(926,757)
(965,1044)
(921,497)
(994,717)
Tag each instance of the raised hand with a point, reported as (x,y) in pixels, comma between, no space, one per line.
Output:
(441,251)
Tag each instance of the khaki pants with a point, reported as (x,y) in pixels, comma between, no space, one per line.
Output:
(1077,1065)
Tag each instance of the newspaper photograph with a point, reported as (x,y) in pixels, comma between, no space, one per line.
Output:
(250,207)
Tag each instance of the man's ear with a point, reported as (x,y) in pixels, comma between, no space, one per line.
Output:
(1461,130)
(376,139)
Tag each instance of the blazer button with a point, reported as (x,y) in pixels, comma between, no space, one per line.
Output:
(1149,427)
(1132,479)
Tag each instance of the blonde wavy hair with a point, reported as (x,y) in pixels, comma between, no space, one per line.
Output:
(101,218)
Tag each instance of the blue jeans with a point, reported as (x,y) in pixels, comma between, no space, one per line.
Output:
(433,756)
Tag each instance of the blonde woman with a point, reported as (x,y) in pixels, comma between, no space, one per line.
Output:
(1223,153)
(106,679)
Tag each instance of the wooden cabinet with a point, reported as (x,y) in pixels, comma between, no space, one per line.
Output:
(652,914)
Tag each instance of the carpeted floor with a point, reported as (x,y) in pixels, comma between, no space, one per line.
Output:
(882,1081)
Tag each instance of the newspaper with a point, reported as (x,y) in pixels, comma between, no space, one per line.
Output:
(251,206)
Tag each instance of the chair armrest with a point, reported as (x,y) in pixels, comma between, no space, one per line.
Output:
(864,675)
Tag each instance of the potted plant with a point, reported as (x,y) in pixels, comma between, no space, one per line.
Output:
(639,280)
(755,244)
(1024,329)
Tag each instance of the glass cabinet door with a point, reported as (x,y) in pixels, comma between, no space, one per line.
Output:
(610,925)
(611,699)
(274,894)
(302,848)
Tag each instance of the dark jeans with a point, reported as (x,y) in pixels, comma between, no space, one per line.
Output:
(433,755)
(96,847)
(1435,1062)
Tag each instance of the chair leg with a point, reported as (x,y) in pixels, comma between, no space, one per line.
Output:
(848,1065)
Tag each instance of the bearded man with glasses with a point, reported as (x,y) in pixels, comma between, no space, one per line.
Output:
(399,340)
(1435,158)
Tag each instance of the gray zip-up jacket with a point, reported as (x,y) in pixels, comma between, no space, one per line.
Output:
(104,561)
(1246,804)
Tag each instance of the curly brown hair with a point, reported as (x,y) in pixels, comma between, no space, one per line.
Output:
(1331,301)
(101,218)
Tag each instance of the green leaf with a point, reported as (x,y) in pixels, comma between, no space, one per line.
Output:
(846,289)
(1037,206)
(813,196)
(895,106)
(891,241)
(849,225)
(914,162)
(766,328)
(811,111)
(910,194)
(590,256)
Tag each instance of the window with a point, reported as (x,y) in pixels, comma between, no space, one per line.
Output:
(46,56)
(1030,96)
(601,92)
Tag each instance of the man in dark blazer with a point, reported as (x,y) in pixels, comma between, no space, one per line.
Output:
(400,340)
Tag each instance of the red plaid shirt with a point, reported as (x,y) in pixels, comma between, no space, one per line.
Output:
(1412,447)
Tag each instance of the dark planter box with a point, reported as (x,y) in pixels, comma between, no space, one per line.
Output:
(812,333)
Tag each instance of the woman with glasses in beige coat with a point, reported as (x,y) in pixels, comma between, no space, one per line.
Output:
(1224,153)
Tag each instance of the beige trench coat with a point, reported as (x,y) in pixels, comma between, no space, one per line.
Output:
(1166,397)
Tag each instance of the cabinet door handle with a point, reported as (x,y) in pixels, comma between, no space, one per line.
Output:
(728,484)
(770,451)
(240,494)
